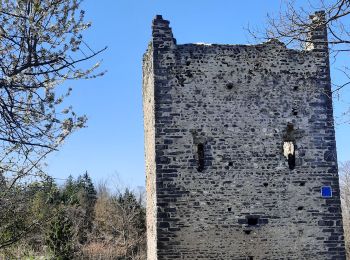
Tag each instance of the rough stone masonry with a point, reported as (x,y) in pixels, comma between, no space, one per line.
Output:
(240,150)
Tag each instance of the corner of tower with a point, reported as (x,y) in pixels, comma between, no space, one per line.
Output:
(317,39)
(162,35)
(157,60)
(317,43)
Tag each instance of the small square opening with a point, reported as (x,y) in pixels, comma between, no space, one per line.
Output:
(229,85)
(252,220)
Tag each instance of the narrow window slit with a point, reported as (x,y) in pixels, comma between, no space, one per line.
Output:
(200,154)
(289,146)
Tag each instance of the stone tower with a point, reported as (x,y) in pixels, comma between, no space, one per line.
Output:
(240,150)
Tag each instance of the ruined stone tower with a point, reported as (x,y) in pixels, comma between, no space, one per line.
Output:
(240,150)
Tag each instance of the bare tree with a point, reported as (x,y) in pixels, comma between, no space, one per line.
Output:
(344,174)
(119,224)
(292,25)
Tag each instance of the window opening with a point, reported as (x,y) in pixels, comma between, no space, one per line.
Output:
(289,153)
(252,220)
(289,146)
(291,161)
(200,154)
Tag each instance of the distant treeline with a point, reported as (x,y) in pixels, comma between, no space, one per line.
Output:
(42,220)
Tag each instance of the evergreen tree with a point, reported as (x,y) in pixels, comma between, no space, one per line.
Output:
(79,196)
(60,236)
(86,186)
(70,191)
(87,199)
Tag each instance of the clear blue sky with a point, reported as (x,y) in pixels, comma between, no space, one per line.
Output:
(113,141)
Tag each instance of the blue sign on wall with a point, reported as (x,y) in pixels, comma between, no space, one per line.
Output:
(326,191)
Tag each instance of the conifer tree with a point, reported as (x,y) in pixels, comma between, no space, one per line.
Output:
(69,191)
(87,199)
(59,237)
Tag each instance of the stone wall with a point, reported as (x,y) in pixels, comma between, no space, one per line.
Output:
(239,143)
